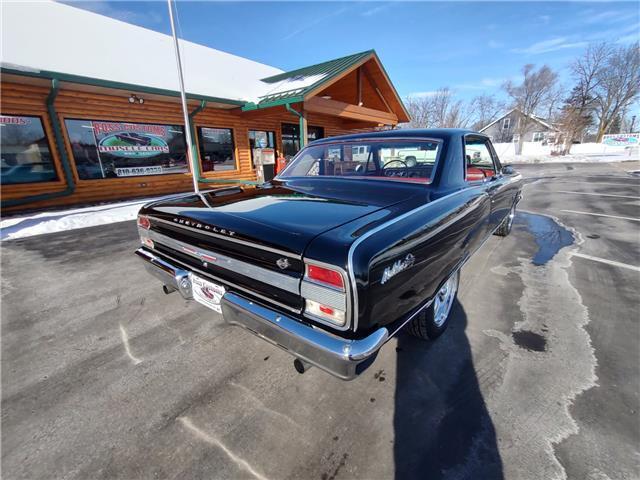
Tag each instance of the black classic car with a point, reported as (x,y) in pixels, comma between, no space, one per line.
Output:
(360,236)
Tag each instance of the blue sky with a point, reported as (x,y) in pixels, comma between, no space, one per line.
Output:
(470,47)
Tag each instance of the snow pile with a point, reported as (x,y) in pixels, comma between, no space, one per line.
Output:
(535,152)
(58,221)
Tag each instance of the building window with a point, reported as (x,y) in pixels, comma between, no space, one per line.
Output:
(24,151)
(104,149)
(217,152)
(506,123)
(538,136)
(291,138)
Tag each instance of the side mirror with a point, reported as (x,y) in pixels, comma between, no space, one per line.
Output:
(508,170)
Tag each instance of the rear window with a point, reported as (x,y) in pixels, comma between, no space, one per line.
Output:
(400,160)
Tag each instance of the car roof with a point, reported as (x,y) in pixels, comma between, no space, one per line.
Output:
(438,133)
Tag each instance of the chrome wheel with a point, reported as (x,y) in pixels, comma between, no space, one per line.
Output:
(444,299)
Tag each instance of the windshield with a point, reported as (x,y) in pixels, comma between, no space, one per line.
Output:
(400,160)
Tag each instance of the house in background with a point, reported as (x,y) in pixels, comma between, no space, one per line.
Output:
(505,129)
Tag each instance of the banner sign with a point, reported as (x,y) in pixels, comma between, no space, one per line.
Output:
(130,139)
(14,120)
(104,149)
(622,139)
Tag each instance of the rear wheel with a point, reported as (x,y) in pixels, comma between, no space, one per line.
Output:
(430,323)
(505,227)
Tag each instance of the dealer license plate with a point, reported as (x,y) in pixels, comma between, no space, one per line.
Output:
(207,293)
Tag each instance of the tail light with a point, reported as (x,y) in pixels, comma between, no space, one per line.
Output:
(325,312)
(324,292)
(144,222)
(325,275)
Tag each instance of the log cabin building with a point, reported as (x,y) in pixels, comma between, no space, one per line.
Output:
(90,109)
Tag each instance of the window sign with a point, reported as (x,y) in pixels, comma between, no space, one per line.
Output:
(122,149)
(217,151)
(25,156)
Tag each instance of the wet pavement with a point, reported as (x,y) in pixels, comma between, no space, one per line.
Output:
(104,376)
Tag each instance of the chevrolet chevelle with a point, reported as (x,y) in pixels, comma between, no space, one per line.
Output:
(360,236)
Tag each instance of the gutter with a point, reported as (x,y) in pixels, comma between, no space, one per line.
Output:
(97,82)
(196,155)
(62,152)
(273,103)
(301,120)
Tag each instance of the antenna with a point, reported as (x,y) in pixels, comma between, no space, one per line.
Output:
(183,97)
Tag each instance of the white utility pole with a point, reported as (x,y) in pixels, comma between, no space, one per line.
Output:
(183,97)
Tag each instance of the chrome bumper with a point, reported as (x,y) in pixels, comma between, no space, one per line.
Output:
(339,356)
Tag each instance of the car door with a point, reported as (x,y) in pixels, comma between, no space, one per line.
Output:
(482,165)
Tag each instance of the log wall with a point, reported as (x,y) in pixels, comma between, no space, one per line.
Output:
(25,99)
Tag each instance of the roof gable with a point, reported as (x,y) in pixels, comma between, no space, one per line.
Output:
(298,82)
(532,117)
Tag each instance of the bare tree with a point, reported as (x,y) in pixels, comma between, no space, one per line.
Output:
(617,85)
(532,96)
(418,109)
(576,115)
(439,109)
(485,108)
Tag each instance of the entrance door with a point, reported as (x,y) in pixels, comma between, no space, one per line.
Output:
(291,138)
(263,139)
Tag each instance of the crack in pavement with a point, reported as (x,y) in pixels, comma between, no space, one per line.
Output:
(211,440)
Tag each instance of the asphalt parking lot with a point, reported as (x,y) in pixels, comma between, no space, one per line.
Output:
(538,376)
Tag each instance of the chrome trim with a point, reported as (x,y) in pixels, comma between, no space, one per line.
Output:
(282,281)
(382,226)
(230,239)
(217,279)
(347,292)
(335,355)
(326,296)
(169,275)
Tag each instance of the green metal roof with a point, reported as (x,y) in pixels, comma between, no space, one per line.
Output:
(325,71)
(329,68)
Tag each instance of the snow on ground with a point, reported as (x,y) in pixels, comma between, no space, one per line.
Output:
(536,152)
(573,157)
(21,226)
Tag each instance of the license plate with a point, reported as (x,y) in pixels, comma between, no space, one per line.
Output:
(207,293)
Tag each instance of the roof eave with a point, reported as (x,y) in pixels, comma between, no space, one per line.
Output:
(97,82)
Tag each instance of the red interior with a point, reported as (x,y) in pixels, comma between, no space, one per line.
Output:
(474,173)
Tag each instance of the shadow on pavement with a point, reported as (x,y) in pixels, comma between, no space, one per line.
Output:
(442,426)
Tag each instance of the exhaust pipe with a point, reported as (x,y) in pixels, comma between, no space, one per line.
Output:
(301,366)
(168,290)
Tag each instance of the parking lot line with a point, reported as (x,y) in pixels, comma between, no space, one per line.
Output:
(608,262)
(599,194)
(634,184)
(602,215)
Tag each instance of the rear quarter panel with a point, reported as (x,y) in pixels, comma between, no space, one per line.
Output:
(438,232)
(439,237)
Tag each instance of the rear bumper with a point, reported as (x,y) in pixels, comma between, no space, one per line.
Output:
(341,357)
